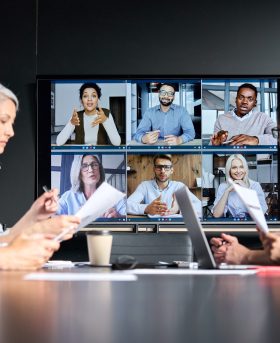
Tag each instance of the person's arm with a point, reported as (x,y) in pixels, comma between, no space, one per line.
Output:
(274,247)
(243,139)
(118,211)
(187,127)
(156,207)
(54,225)
(27,252)
(68,129)
(220,204)
(65,133)
(219,135)
(111,129)
(266,138)
(227,249)
(261,197)
(144,126)
(135,205)
(134,201)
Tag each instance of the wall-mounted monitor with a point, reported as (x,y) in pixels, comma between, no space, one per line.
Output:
(149,136)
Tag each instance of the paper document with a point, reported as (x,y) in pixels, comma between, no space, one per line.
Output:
(250,199)
(99,202)
(80,277)
(184,271)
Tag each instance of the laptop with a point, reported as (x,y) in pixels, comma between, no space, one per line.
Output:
(200,244)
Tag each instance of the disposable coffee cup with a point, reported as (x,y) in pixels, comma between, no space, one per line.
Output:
(99,247)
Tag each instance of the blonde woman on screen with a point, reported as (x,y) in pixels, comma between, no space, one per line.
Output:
(227,248)
(227,201)
(29,244)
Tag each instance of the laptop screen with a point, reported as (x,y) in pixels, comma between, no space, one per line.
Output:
(200,244)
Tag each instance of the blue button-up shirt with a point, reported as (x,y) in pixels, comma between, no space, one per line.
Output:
(176,121)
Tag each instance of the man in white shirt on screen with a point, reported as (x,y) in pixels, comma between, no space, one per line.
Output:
(156,197)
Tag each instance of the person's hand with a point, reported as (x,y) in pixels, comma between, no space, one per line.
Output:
(28,252)
(101,117)
(174,207)
(244,140)
(173,140)
(219,248)
(111,213)
(241,183)
(56,225)
(236,253)
(271,243)
(219,137)
(227,249)
(150,137)
(275,248)
(44,206)
(156,207)
(75,118)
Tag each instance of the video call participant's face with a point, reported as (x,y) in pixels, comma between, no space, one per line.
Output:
(163,169)
(237,170)
(166,95)
(90,100)
(90,174)
(7,118)
(245,101)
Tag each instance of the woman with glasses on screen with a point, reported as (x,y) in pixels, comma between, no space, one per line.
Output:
(94,124)
(29,243)
(86,175)
(227,201)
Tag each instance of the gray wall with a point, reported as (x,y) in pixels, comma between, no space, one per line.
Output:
(89,37)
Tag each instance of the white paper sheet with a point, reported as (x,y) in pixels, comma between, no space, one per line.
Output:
(59,264)
(185,271)
(115,276)
(101,200)
(250,199)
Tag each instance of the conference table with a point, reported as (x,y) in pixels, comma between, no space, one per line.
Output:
(150,308)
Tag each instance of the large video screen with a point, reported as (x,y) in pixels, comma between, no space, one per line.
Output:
(150,137)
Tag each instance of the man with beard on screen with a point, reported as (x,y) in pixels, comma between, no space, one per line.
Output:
(166,121)
(156,197)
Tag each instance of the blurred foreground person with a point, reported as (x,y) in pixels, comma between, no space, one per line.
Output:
(30,242)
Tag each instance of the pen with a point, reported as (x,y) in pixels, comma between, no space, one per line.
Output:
(46,189)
